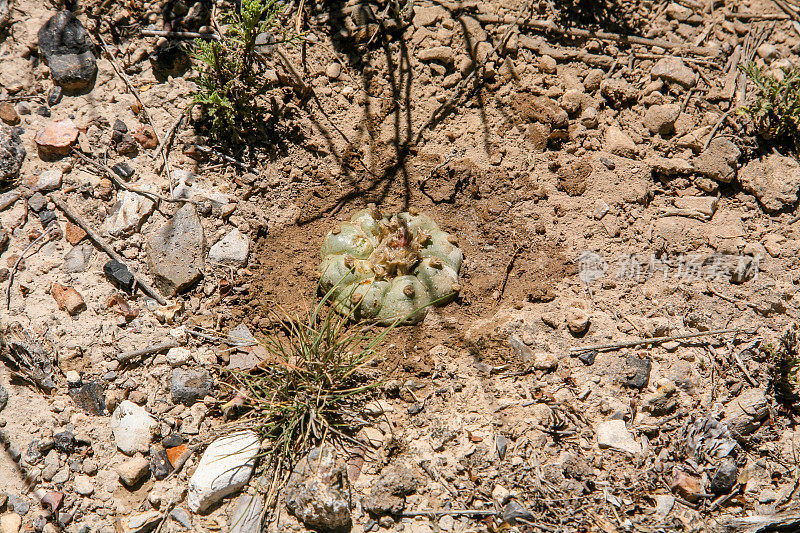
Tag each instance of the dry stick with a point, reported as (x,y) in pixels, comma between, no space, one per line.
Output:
(168,141)
(122,185)
(180,34)
(452,512)
(550,26)
(103,245)
(124,357)
(655,340)
(135,94)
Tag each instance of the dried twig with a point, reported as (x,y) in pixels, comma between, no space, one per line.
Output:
(103,245)
(181,34)
(124,357)
(656,340)
(452,512)
(121,184)
(549,26)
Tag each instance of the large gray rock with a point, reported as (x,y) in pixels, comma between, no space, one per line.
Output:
(224,469)
(773,179)
(718,161)
(68,50)
(674,70)
(12,153)
(175,252)
(318,493)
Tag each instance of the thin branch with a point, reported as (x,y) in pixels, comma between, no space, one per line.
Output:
(103,245)
(656,340)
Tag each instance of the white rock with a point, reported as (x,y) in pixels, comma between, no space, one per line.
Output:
(49,180)
(73,378)
(133,428)
(232,249)
(501,495)
(138,523)
(129,213)
(178,356)
(613,434)
(83,485)
(224,469)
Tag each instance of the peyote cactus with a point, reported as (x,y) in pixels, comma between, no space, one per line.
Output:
(386,268)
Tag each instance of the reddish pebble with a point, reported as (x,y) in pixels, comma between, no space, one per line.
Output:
(68,299)
(146,136)
(175,454)
(686,486)
(57,138)
(8,114)
(74,233)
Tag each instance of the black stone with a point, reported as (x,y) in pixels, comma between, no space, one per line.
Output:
(90,397)
(172,440)
(37,201)
(64,441)
(43,111)
(159,465)
(118,131)
(123,170)
(54,96)
(587,357)
(725,478)
(68,50)
(637,372)
(119,275)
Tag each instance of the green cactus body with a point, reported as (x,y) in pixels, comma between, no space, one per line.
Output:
(385,268)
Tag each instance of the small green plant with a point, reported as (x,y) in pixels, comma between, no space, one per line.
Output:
(776,107)
(231,78)
(312,384)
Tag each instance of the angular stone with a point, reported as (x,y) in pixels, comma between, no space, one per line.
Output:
(68,299)
(176,453)
(128,213)
(619,143)
(90,397)
(231,250)
(10,523)
(725,477)
(613,434)
(12,153)
(618,92)
(119,275)
(67,49)
(138,523)
(318,492)
(674,70)
(224,469)
(49,180)
(445,54)
(660,119)
(133,470)
(56,139)
(77,259)
(744,414)
(246,517)
(719,160)
(133,428)
(637,372)
(175,252)
(190,386)
(8,114)
(159,465)
(388,494)
(686,486)
(773,179)
(83,485)
(146,136)
(74,233)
